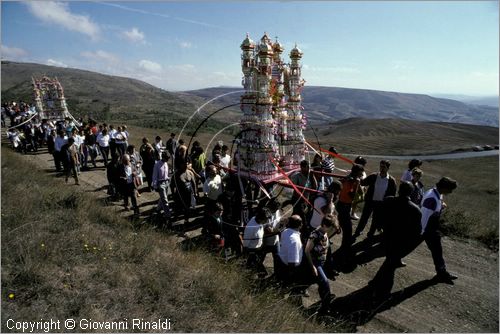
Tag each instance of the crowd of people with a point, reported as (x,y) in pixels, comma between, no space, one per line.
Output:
(237,221)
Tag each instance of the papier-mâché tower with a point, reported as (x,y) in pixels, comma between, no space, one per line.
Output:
(272,121)
(49,99)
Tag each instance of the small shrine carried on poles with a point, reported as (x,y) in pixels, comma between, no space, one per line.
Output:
(49,99)
(272,122)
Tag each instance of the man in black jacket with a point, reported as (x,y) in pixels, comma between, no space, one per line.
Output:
(401,236)
(380,185)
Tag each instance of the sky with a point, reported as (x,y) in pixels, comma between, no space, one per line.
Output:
(427,47)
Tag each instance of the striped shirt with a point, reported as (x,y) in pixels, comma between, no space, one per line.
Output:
(328,164)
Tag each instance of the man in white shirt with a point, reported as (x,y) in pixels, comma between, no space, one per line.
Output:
(290,253)
(58,144)
(253,240)
(432,206)
(225,159)
(380,185)
(212,187)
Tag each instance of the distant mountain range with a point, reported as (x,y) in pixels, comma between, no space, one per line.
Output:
(491,101)
(106,97)
(328,104)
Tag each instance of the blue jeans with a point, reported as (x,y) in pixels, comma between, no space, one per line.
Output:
(323,284)
(163,201)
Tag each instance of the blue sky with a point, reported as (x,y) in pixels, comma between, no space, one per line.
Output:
(414,47)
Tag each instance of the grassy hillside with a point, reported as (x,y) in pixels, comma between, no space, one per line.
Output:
(107,98)
(401,137)
(65,255)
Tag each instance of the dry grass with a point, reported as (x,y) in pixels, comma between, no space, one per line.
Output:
(473,205)
(64,255)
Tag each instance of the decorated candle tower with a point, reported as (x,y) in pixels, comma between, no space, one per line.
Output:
(49,99)
(272,119)
(296,122)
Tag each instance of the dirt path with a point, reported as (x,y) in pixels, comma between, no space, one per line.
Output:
(417,304)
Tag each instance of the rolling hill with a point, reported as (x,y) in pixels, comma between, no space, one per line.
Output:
(103,97)
(333,104)
(112,98)
(400,136)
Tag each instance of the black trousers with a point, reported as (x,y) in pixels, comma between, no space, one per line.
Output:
(432,238)
(344,216)
(370,207)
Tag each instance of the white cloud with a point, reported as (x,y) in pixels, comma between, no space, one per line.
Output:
(150,66)
(53,62)
(185,45)
(134,36)
(100,55)
(12,52)
(183,68)
(59,14)
(226,77)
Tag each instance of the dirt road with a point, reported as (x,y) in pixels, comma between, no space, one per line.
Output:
(417,303)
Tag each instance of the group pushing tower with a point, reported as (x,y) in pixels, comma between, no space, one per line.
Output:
(272,120)
(48,95)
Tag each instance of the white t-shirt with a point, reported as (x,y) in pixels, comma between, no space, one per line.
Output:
(213,187)
(78,140)
(225,160)
(318,215)
(380,187)
(103,140)
(291,247)
(253,235)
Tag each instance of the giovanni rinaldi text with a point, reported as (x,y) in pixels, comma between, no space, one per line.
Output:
(51,325)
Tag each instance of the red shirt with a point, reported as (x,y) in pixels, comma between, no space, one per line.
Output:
(349,188)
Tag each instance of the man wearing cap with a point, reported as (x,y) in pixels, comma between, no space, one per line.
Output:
(432,207)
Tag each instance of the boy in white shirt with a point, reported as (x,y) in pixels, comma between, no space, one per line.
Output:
(253,240)
(289,270)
